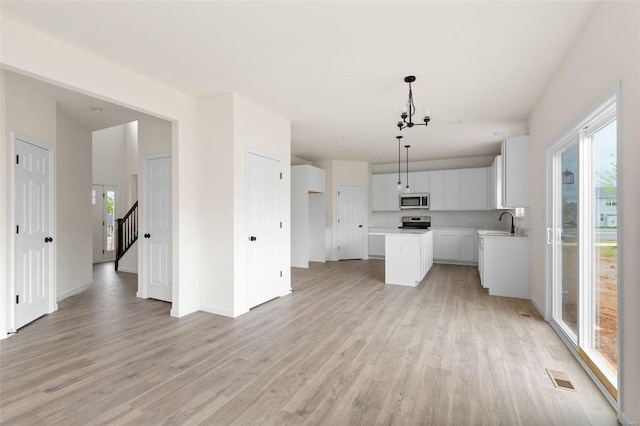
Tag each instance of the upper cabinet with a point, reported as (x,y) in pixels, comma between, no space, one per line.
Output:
(455,189)
(315,179)
(474,189)
(385,196)
(495,184)
(436,190)
(515,172)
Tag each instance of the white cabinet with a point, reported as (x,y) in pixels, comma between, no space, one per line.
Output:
(495,184)
(385,195)
(436,190)
(315,179)
(452,189)
(468,252)
(473,188)
(455,246)
(421,182)
(408,258)
(376,246)
(515,171)
(504,265)
(307,216)
(449,190)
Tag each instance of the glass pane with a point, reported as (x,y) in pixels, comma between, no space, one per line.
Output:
(568,256)
(111,203)
(605,262)
(93,197)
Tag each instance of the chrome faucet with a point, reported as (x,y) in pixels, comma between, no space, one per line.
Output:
(513,227)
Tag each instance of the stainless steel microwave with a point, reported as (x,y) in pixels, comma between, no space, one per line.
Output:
(414,201)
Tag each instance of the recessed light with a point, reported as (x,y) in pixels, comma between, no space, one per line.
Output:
(459,152)
(96,109)
(498,133)
(455,122)
(338,137)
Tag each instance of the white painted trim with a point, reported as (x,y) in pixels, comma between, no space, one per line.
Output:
(142,287)
(129,270)
(218,311)
(74,291)
(53,304)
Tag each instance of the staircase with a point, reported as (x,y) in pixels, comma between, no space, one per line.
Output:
(127,232)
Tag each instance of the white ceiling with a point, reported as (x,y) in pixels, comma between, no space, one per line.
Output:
(337,68)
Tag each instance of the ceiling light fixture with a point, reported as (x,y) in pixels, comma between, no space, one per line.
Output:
(338,137)
(410,109)
(407,189)
(399,179)
(96,109)
(455,122)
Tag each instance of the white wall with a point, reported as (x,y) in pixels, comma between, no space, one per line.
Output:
(607,51)
(27,51)
(230,125)
(450,163)
(482,219)
(108,160)
(33,114)
(74,248)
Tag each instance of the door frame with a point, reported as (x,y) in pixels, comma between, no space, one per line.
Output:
(364,253)
(53,304)
(142,250)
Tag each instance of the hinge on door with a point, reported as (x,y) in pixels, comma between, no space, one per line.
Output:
(338,247)
(102,251)
(338,192)
(17,229)
(103,223)
(17,159)
(280,175)
(280,274)
(103,195)
(17,299)
(280,225)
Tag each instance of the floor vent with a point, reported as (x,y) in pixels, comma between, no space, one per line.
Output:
(524,314)
(561,380)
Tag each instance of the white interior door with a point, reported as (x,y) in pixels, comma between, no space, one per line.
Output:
(157,229)
(33,232)
(350,229)
(264,232)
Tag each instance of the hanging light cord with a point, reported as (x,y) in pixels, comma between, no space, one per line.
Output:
(407,146)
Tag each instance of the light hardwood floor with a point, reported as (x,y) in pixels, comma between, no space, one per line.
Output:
(343,349)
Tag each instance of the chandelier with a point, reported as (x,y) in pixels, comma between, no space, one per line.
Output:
(410,109)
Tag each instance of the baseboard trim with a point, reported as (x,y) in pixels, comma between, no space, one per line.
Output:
(218,311)
(74,291)
(129,270)
(537,306)
(455,262)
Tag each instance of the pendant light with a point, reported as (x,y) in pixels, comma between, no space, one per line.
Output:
(399,179)
(407,189)
(406,118)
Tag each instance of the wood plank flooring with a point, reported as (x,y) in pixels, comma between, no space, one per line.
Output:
(343,349)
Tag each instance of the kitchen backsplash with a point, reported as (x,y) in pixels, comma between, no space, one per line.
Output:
(439,219)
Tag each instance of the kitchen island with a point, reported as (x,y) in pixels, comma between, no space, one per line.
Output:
(408,255)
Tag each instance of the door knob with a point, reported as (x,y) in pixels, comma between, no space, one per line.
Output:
(252,238)
(359,226)
(147,235)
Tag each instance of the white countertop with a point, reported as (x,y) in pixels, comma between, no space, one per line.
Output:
(497,234)
(397,231)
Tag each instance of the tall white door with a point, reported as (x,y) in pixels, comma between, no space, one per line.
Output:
(157,229)
(264,229)
(33,232)
(103,200)
(350,229)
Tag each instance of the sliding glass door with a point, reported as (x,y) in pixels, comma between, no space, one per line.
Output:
(582,237)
